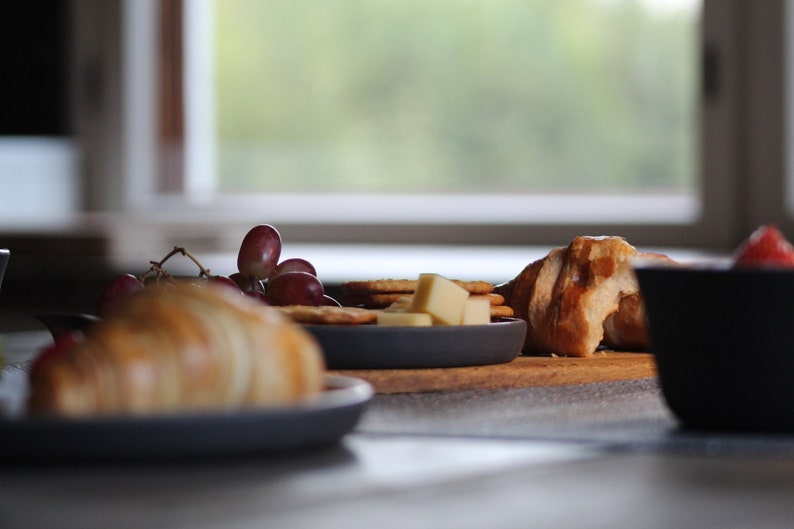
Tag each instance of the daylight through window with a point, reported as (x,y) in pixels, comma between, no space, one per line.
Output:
(498,96)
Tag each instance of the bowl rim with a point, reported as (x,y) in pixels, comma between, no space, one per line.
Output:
(717,267)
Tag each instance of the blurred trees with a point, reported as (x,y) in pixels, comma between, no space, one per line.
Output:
(470,95)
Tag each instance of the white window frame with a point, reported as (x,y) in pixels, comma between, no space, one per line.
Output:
(743,160)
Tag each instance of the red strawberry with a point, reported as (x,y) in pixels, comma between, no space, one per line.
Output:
(766,246)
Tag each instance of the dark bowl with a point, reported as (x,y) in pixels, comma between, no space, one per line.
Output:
(723,340)
(58,323)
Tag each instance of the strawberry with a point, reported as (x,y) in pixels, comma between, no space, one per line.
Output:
(766,246)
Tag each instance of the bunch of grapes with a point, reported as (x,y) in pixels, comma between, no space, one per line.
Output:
(260,275)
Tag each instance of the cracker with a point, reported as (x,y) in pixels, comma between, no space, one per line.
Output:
(371,300)
(492,297)
(377,300)
(380,285)
(393,286)
(329,315)
(502,311)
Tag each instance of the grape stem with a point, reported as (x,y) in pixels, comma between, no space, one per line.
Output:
(157,266)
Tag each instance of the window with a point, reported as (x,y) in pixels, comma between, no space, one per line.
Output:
(496,97)
(575,111)
(598,179)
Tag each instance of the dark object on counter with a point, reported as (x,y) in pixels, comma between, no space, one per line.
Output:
(386,347)
(723,340)
(4,256)
(60,323)
(312,423)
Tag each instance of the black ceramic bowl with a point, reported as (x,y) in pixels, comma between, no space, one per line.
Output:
(723,340)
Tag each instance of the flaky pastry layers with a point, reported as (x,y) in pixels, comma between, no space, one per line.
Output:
(579,297)
(181,348)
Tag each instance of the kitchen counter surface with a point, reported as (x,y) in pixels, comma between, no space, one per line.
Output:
(587,456)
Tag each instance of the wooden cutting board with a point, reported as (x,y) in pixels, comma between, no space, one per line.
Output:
(524,371)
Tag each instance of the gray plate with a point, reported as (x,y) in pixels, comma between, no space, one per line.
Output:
(318,422)
(384,347)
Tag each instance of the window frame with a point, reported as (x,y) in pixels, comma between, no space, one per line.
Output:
(742,155)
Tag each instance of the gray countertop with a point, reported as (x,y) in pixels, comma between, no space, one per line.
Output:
(595,455)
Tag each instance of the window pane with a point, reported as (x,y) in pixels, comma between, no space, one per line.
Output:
(497,96)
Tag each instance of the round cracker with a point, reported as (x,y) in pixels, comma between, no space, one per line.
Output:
(393,286)
(329,315)
(376,300)
(502,311)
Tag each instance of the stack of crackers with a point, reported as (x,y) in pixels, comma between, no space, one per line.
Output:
(382,293)
(362,300)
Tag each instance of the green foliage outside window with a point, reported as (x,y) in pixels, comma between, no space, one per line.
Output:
(503,96)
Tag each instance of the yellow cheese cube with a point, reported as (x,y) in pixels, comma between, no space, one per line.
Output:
(404,319)
(441,298)
(477,312)
(401,305)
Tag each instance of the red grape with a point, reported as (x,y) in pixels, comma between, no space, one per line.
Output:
(296,288)
(247,283)
(259,296)
(259,252)
(226,282)
(294,264)
(118,288)
(62,343)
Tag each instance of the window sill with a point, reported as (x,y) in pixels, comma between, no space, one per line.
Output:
(90,243)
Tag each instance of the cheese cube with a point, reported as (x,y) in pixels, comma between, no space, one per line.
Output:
(441,298)
(401,305)
(477,312)
(404,319)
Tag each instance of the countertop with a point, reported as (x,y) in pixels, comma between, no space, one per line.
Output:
(597,455)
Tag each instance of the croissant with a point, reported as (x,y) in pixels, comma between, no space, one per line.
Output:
(579,297)
(181,348)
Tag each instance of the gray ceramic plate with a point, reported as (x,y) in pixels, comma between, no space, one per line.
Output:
(318,422)
(383,347)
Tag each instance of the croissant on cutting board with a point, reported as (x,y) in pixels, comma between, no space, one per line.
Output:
(580,297)
(180,348)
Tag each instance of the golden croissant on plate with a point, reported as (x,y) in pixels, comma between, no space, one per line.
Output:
(181,348)
(580,297)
